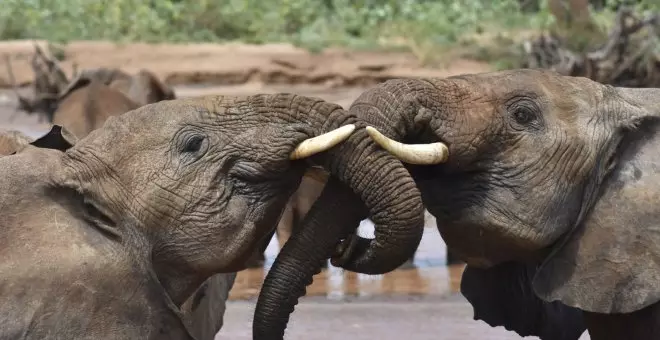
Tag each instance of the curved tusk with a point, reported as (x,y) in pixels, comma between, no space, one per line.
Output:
(421,154)
(314,145)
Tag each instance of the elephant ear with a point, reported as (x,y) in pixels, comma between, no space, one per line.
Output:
(83,79)
(156,90)
(611,262)
(57,138)
(503,296)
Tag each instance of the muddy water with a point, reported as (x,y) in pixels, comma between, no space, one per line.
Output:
(429,277)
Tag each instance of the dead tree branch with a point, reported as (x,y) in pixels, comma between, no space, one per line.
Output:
(629,57)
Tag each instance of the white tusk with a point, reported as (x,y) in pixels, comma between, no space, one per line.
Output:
(421,154)
(314,145)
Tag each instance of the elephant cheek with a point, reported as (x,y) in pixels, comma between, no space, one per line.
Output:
(233,230)
(483,247)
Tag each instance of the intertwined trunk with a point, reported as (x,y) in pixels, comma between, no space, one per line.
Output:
(366,181)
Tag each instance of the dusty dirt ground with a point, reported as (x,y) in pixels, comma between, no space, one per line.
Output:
(419,303)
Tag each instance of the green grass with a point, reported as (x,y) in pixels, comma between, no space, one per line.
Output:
(434,30)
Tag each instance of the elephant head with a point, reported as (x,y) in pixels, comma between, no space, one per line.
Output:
(549,192)
(202,180)
(198,183)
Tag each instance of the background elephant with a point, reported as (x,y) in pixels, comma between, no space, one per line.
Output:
(133,218)
(87,103)
(550,193)
(142,88)
(51,86)
(12,141)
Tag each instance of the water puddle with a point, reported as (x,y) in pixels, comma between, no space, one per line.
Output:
(337,284)
(430,275)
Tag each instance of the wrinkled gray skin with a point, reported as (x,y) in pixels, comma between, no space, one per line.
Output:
(551,193)
(85,105)
(299,204)
(133,218)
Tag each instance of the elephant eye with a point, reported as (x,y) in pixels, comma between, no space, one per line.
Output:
(193,144)
(525,114)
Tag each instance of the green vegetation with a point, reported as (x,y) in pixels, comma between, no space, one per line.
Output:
(432,29)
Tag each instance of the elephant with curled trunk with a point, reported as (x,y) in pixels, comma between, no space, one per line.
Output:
(107,236)
(551,193)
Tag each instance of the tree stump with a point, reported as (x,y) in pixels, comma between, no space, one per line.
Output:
(630,57)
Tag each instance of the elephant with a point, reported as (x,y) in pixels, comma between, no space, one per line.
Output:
(142,88)
(87,103)
(549,192)
(51,86)
(203,311)
(115,231)
(94,95)
(12,141)
(84,106)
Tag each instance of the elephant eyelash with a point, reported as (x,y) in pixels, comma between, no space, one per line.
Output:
(525,114)
(250,173)
(191,146)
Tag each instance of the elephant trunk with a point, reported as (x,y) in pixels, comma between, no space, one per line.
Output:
(362,174)
(301,258)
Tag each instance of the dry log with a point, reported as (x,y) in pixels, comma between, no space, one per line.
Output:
(49,81)
(630,57)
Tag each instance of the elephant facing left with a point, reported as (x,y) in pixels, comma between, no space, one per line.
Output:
(107,236)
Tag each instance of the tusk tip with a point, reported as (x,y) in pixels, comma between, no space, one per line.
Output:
(347,129)
(321,143)
(421,154)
